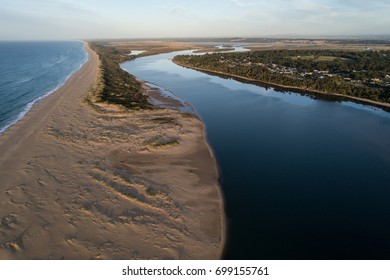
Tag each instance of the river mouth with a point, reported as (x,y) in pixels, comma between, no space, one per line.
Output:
(303,178)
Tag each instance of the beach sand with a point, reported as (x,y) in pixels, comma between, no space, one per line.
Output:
(81,183)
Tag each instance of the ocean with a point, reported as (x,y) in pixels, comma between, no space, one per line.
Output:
(30,71)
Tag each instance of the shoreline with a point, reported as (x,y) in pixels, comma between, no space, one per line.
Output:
(220,194)
(80,183)
(36,114)
(170,103)
(36,101)
(381,105)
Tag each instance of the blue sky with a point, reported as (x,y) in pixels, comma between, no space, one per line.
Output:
(90,19)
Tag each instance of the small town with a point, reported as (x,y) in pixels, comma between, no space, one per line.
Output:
(359,73)
(305,73)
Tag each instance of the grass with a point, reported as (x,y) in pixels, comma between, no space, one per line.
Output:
(165,120)
(115,85)
(323,58)
(161,141)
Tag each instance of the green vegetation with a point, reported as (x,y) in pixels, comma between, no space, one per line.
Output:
(165,120)
(324,58)
(364,74)
(116,85)
(151,191)
(367,42)
(160,141)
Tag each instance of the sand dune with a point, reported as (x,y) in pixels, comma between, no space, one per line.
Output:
(80,183)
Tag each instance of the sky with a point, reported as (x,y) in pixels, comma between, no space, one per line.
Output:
(97,19)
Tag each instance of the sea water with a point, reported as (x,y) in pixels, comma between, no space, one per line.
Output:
(30,71)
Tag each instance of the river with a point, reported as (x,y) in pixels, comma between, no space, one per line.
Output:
(303,178)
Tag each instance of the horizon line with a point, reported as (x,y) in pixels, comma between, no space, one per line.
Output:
(276,36)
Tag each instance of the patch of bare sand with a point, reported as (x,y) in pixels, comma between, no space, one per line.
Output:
(153,47)
(80,183)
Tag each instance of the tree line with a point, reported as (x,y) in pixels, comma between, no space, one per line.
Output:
(353,71)
(118,86)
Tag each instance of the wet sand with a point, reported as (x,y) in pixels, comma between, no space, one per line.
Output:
(81,183)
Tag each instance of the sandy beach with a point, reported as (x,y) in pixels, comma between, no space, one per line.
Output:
(81,183)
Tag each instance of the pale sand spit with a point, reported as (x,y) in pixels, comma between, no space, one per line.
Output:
(81,183)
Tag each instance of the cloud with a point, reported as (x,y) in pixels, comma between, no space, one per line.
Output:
(98,18)
(239,3)
(183,13)
(366,5)
(49,8)
(177,10)
(44,19)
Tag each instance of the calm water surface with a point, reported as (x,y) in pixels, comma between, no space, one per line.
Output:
(302,178)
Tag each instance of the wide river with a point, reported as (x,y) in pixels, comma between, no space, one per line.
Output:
(303,178)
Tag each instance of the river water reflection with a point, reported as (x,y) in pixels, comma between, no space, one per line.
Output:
(303,178)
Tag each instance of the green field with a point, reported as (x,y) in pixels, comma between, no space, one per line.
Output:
(324,58)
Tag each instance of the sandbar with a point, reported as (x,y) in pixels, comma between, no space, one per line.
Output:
(81,183)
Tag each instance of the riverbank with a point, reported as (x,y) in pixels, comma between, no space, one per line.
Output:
(288,165)
(382,105)
(112,183)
